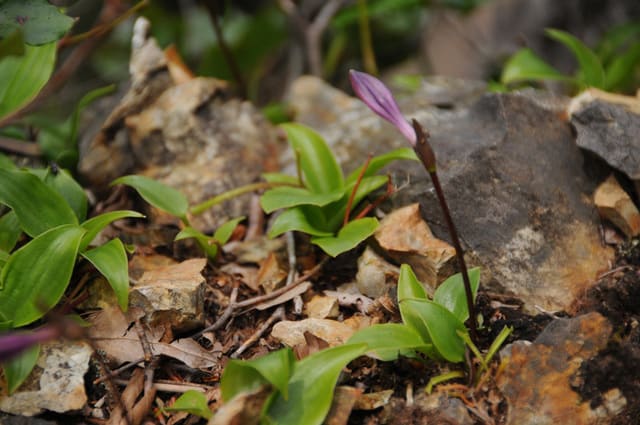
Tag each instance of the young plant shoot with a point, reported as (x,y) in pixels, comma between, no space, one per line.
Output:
(379,99)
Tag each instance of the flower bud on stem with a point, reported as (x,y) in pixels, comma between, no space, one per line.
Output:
(425,153)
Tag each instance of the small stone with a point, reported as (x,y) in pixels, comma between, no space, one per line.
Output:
(173,294)
(291,333)
(615,205)
(55,384)
(536,378)
(375,275)
(446,409)
(407,238)
(323,307)
(371,401)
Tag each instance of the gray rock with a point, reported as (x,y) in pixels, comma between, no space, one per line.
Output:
(510,171)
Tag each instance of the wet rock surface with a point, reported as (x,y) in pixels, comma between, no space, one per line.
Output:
(512,175)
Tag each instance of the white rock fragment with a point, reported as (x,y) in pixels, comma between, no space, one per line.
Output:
(291,333)
(615,205)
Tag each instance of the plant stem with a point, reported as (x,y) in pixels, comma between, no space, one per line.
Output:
(347,211)
(203,206)
(426,155)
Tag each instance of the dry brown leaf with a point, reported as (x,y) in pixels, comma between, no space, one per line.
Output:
(179,71)
(110,333)
(135,409)
(271,276)
(139,264)
(291,333)
(344,398)
(289,295)
(370,401)
(312,344)
(244,408)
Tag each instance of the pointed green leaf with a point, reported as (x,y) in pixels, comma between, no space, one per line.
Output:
(67,187)
(287,197)
(322,174)
(94,225)
(311,386)
(24,76)
(157,194)
(389,340)
(37,206)
(10,231)
(441,325)
(451,295)
(193,402)
(19,368)
(525,65)
(348,237)
(246,375)
(295,219)
(409,286)
(591,72)
(207,243)
(224,232)
(12,44)
(381,161)
(36,275)
(40,21)
(621,69)
(110,259)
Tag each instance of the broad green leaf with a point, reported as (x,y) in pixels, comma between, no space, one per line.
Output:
(311,386)
(246,375)
(157,194)
(322,174)
(348,237)
(18,369)
(110,259)
(591,72)
(207,243)
(441,325)
(23,76)
(66,186)
(36,275)
(295,219)
(615,39)
(389,340)
(193,402)
(6,163)
(336,210)
(224,232)
(409,286)
(622,67)
(287,197)
(10,231)
(525,65)
(94,225)
(381,161)
(451,295)
(281,178)
(40,21)
(37,206)
(12,44)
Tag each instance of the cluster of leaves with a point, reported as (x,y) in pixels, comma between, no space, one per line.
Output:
(319,200)
(612,66)
(50,208)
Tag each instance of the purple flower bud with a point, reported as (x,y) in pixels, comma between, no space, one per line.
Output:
(379,99)
(14,343)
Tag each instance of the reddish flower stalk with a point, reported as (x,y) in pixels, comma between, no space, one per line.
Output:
(379,99)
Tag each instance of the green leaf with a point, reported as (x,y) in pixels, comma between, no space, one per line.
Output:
(525,65)
(409,286)
(40,21)
(336,210)
(66,186)
(622,68)
(389,340)
(439,323)
(207,243)
(451,295)
(246,375)
(36,275)
(19,368)
(287,197)
(12,44)
(157,194)
(38,207)
(224,232)
(6,163)
(311,386)
(10,231)
(296,219)
(94,225)
(591,72)
(23,76)
(322,174)
(615,39)
(193,402)
(110,259)
(348,237)
(281,178)
(381,161)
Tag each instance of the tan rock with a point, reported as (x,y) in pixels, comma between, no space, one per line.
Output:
(291,333)
(322,307)
(615,205)
(375,275)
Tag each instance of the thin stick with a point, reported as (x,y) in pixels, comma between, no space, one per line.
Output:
(277,315)
(427,156)
(22,147)
(222,319)
(347,211)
